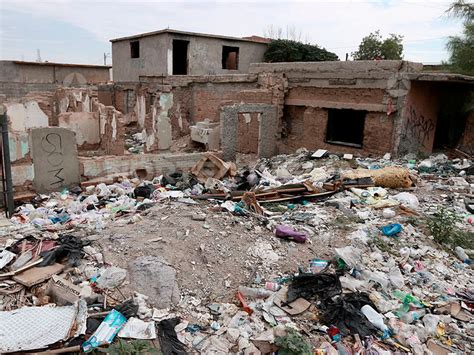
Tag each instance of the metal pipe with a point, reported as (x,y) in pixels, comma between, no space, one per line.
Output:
(7,164)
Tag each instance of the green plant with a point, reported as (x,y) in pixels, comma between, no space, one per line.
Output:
(292,344)
(374,46)
(442,225)
(283,50)
(122,347)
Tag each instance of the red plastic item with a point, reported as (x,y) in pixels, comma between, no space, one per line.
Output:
(243,303)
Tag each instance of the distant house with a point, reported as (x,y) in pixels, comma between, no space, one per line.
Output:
(171,52)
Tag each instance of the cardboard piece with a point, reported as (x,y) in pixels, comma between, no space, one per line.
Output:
(36,275)
(296,307)
(62,291)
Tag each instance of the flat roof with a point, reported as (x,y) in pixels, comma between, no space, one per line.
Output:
(21,62)
(441,77)
(194,34)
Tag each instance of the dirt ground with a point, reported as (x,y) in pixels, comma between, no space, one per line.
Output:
(212,257)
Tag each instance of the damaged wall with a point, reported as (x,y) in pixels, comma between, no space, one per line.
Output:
(434,116)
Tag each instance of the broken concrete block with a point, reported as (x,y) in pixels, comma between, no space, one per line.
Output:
(154,277)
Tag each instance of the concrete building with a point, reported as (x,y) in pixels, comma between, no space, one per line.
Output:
(18,78)
(171,52)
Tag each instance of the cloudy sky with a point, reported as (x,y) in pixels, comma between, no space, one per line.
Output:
(79,31)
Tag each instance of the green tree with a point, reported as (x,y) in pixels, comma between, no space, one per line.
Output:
(374,46)
(283,50)
(461,48)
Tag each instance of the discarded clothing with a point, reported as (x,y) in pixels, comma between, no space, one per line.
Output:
(70,247)
(289,233)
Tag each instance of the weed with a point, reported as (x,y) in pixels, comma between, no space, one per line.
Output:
(122,347)
(292,344)
(442,226)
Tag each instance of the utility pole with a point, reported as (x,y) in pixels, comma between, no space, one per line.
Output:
(106,55)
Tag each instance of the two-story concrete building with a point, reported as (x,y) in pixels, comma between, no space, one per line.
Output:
(171,52)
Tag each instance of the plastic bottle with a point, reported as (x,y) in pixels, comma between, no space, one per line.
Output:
(410,317)
(462,255)
(272,286)
(254,292)
(407,299)
(375,318)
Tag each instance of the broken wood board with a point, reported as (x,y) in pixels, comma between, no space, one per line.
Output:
(37,275)
(296,307)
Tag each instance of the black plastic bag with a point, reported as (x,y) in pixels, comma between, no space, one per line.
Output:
(344,313)
(314,286)
(143,191)
(169,343)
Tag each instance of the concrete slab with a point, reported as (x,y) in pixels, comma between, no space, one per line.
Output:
(55,161)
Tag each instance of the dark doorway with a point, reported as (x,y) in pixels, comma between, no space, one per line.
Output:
(180,57)
(452,116)
(230,58)
(135,49)
(345,127)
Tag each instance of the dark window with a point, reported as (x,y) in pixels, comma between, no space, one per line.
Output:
(135,49)
(230,58)
(180,57)
(345,127)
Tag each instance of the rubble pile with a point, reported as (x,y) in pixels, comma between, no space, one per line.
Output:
(304,253)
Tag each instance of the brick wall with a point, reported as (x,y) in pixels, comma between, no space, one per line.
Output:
(306,127)
(352,95)
(208,99)
(248,132)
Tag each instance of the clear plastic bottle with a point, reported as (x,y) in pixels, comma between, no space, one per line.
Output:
(410,317)
(462,255)
(375,318)
(254,292)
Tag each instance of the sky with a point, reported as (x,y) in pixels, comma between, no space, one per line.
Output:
(79,31)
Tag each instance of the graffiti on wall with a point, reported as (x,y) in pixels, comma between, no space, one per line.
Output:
(52,147)
(55,159)
(417,130)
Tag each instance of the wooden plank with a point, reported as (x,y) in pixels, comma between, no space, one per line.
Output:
(37,275)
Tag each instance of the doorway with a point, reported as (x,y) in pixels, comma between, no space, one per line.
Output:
(180,57)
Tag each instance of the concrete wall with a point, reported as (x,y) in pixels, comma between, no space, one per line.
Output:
(106,168)
(52,73)
(17,79)
(204,56)
(152,60)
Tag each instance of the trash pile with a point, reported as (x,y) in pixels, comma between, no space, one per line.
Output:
(389,246)
(134,143)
